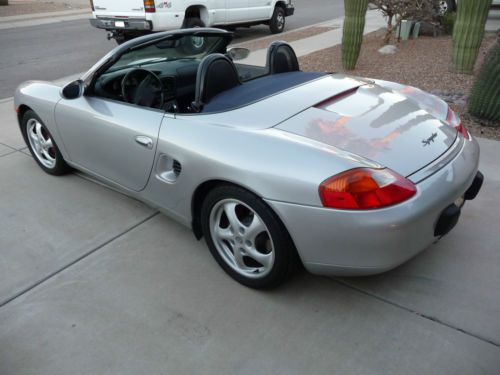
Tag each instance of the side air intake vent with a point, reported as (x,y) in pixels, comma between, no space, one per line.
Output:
(176,167)
(168,169)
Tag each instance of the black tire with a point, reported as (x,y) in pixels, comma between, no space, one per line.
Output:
(286,259)
(193,22)
(277,21)
(124,38)
(193,46)
(60,167)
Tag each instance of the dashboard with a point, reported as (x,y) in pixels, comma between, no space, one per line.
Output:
(178,79)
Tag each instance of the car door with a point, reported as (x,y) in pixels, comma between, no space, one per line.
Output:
(237,11)
(111,139)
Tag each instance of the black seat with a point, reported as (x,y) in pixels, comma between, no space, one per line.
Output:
(216,74)
(281,58)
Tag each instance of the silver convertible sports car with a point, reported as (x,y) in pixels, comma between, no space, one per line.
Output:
(274,166)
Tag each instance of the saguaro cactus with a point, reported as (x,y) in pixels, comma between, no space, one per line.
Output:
(352,36)
(468,33)
(485,98)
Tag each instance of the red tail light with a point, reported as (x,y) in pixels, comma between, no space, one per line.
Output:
(365,189)
(453,120)
(149,6)
(92,5)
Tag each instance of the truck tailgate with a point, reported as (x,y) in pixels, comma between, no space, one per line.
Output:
(122,8)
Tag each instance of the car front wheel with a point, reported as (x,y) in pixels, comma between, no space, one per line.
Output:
(42,146)
(246,238)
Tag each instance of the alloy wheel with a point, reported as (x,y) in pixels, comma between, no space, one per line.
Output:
(41,143)
(242,238)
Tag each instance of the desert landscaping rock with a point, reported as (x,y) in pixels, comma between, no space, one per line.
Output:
(388,49)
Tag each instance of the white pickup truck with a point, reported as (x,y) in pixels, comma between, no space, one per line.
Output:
(126,19)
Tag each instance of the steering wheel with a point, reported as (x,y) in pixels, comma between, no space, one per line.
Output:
(143,87)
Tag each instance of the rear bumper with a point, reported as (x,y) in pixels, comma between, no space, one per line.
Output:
(337,242)
(129,24)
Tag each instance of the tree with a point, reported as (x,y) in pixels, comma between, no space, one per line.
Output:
(398,10)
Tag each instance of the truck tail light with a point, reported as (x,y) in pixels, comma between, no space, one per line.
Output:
(92,5)
(365,189)
(149,6)
(454,120)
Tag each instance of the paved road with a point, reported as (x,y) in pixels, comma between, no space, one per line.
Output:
(52,51)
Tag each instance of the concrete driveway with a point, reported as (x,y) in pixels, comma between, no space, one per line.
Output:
(93,282)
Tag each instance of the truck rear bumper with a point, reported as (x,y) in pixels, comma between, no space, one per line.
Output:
(120,24)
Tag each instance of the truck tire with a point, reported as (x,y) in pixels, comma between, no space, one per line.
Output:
(193,22)
(196,44)
(124,38)
(277,21)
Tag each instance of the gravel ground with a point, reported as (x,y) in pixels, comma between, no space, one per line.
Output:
(18,7)
(287,37)
(422,63)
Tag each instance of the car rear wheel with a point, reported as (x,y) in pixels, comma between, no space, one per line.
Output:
(246,238)
(42,146)
(277,22)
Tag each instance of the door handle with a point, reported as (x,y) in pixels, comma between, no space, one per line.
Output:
(144,141)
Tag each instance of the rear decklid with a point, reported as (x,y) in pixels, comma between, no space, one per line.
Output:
(397,126)
(122,8)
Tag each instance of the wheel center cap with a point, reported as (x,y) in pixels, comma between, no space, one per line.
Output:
(239,239)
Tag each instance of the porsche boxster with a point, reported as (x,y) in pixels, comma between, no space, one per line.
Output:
(274,166)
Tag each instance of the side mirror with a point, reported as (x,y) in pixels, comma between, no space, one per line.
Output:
(237,53)
(72,90)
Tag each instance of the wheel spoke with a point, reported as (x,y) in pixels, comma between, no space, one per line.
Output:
(230,210)
(48,143)
(256,227)
(264,259)
(46,155)
(238,258)
(32,134)
(224,233)
(38,131)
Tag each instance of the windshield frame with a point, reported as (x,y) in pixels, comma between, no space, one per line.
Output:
(114,56)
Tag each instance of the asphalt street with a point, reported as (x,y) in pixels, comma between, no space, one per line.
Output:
(52,51)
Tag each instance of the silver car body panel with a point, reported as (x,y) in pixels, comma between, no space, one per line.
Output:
(266,147)
(371,242)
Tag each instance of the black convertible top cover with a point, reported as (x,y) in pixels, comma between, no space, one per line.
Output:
(258,89)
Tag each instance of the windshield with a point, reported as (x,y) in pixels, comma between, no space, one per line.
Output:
(170,48)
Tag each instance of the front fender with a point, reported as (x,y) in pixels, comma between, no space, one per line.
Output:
(42,98)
